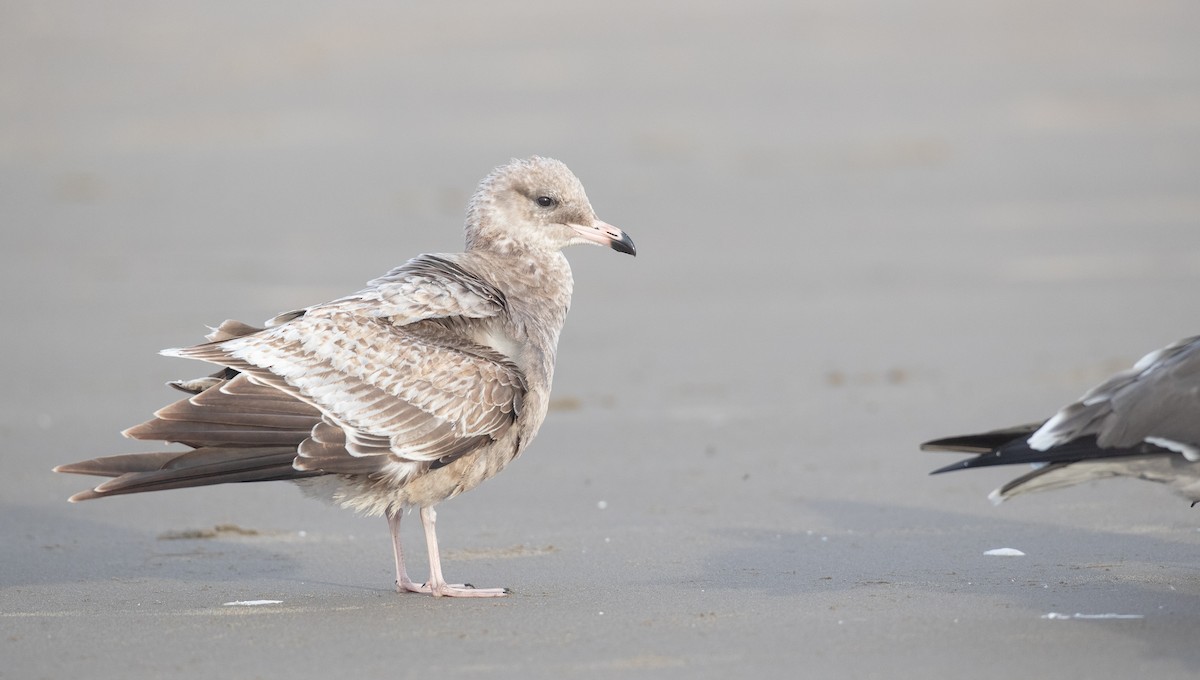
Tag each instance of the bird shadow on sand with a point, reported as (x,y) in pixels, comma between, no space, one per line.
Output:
(49,546)
(933,561)
(868,543)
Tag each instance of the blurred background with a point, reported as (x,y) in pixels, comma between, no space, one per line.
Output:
(859,224)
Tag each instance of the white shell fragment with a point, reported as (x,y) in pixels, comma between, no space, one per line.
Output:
(1056,616)
(1004,552)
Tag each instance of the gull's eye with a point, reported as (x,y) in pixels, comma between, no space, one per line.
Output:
(546,201)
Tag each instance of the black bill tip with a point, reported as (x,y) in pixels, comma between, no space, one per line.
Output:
(624,245)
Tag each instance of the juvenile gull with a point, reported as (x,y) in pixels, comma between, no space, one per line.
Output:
(1143,422)
(413,390)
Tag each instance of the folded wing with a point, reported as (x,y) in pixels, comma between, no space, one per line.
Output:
(386,379)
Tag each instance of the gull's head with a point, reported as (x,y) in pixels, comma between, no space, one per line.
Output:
(536,204)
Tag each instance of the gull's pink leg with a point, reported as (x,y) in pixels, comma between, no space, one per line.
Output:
(403,583)
(437,583)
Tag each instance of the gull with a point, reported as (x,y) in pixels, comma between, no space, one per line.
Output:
(418,387)
(1143,422)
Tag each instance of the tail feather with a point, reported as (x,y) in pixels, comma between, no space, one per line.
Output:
(231,328)
(197,435)
(239,431)
(250,390)
(1177,472)
(1062,465)
(993,449)
(214,466)
(1034,480)
(983,442)
(256,414)
(115,466)
(234,412)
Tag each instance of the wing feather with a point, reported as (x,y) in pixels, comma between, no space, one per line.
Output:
(1158,398)
(1142,422)
(386,379)
(425,287)
(419,392)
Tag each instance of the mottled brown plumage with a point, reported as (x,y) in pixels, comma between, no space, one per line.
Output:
(420,386)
